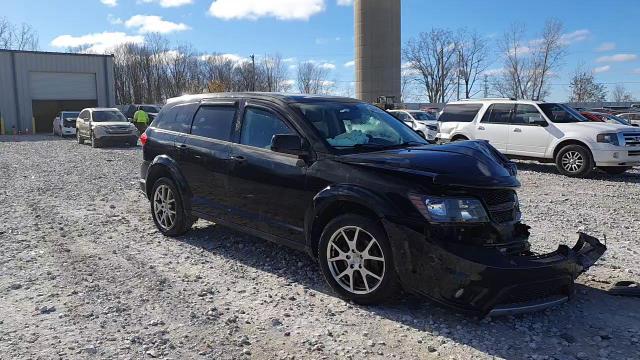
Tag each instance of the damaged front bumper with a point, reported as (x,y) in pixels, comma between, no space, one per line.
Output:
(486,281)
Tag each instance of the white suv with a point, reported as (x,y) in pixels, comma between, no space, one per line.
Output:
(546,132)
(421,122)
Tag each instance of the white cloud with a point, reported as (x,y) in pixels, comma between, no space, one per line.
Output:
(154,24)
(345,2)
(290,60)
(168,3)
(109,3)
(576,36)
(232,57)
(114,20)
(351,63)
(98,42)
(327,66)
(607,46)
(255,9)
(493,72)
(617,58)
(601,69)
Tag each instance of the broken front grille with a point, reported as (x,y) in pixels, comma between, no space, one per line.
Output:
(502,205)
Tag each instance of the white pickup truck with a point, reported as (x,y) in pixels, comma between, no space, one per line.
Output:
(547,132)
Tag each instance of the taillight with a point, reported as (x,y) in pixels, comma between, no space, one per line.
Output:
(143,138)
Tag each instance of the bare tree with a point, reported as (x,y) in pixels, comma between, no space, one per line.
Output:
(620,94)
(13,37)
(275,73)
(515,80)
(584,88)
(312,78)
(433,57)
(548,54)
(473,59)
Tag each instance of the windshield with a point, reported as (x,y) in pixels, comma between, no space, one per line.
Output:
(70,115)
(562,114)
(358,126)
(108,116)
(150,109)
(612,119)
(423,116)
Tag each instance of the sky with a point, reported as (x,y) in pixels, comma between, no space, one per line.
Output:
(603,36)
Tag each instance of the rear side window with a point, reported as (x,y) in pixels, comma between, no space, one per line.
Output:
(526,114)
(460,112)
(498,114)
(214,122)
(259,127)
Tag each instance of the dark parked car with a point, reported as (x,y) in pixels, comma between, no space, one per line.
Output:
(377,206)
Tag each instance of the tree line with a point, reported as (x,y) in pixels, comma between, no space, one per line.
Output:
(17,37)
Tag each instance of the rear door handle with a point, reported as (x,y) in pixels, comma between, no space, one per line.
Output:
(517,130)
(239,159)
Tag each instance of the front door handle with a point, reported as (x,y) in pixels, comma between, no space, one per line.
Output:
(480,127)
(517,130)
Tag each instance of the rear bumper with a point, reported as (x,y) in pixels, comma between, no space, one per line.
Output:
(484,281)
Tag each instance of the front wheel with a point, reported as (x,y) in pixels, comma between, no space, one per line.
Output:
(79,137)
(94,142)
(574,161)
(615,170)
(356,260)
(168,210)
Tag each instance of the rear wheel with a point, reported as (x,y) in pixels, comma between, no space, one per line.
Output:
(574,161)
(615,170)
(356,260)
(459,138)
(167,208)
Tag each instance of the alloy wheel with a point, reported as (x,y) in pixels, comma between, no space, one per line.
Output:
(164,207)
(356,260)
(572,161)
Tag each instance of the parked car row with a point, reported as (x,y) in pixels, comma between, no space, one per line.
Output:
(546,132)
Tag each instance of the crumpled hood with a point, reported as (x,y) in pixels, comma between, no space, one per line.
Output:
(466,164)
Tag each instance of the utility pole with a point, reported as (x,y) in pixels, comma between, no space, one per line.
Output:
(253,72)
(486,86)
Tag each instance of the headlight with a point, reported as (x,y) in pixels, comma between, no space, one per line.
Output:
(609,138)
(450,210)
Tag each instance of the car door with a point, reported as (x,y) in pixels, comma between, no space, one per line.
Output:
(82,123)
(494,126)
(267,188)
(527,137)
(57,123)
(204,157)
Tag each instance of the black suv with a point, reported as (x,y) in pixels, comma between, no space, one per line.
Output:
(377,206)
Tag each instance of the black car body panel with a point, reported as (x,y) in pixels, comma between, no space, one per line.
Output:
(474,267)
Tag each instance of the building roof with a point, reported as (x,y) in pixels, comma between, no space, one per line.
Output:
(53,53)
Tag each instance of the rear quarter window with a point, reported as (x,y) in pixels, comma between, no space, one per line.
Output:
(460,113)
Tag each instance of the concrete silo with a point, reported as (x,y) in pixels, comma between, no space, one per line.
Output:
(378,49)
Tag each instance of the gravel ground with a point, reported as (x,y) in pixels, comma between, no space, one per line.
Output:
(84,274)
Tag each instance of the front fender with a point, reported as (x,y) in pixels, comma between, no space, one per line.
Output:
(161,164)
(354,194)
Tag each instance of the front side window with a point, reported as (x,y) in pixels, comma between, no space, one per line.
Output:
(562,114)
(423,116)
(357,125)
(498,114)
(460,112)
(259,126)
(214,122)
(526,115)
(108,116)
(84,115)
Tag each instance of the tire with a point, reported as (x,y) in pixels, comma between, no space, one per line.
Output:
(382,285)
(94,143)
(79,137)
(459,138)
(180,224)
(615,170)
(574,161)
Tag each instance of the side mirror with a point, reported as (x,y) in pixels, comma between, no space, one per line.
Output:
(537,121)
(288,144)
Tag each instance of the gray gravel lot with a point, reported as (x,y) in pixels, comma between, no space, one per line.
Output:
(84,274)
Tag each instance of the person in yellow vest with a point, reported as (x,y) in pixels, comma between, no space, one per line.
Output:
(141,120)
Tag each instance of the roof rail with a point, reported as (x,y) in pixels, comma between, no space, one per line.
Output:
(479,99)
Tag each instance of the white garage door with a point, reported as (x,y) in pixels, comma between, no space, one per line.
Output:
(62,86)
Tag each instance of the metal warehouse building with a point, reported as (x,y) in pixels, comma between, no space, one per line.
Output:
(35,86)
